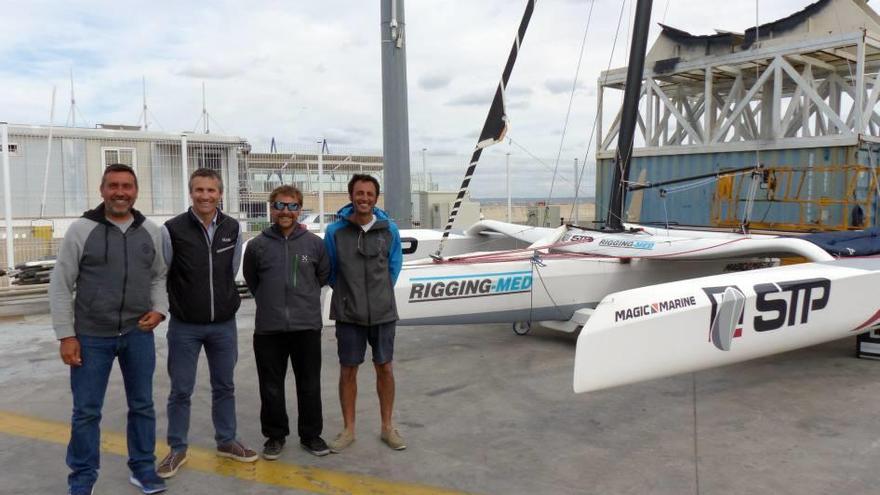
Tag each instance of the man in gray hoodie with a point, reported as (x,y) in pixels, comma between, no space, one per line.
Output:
(111,258)
(285,267)
(365,261)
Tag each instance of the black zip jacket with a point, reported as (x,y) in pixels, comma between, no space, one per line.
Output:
(285,275)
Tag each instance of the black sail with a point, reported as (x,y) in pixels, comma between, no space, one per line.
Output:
(495,126)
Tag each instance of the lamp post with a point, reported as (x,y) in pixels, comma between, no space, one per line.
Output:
(509,206)
(323,143)
(424,171)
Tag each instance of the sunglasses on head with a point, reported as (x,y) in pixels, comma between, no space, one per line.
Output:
(280,205)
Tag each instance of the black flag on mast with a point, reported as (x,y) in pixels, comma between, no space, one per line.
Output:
(495,126)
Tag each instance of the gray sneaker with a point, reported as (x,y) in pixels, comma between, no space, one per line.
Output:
(315,446)
(171,463)
(272,448)
(235,450)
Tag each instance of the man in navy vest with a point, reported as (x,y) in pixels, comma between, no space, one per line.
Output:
(202,247)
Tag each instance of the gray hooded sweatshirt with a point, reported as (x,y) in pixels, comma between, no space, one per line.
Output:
(116,276)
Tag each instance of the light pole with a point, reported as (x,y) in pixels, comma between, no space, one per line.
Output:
(323,143)
(509,207)
(424,171)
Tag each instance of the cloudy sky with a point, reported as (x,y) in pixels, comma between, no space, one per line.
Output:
(297,70)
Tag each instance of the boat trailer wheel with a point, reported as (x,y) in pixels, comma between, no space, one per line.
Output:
(522,327)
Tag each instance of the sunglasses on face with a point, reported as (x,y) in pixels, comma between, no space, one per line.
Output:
(280,205)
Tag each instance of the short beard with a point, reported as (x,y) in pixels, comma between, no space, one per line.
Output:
(114,213)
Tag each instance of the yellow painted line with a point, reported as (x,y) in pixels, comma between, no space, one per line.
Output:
(275,473)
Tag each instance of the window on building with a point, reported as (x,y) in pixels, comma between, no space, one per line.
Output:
(13,149)
(125,156)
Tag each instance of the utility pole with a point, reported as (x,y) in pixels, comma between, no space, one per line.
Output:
(509,204)
(205,110)
(7,195)
(146,125)
(424,171)
(395,120)
(323,143)
(184,169)
(71,115)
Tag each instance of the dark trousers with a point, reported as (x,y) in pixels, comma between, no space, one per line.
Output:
(272,351)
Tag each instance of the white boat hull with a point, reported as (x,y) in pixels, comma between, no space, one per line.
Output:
(667,329)
(518,290)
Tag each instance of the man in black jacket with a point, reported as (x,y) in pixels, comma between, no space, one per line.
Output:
(285,268)
(202,247)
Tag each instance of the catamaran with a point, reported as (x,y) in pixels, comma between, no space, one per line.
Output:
(650,301)
(564,272)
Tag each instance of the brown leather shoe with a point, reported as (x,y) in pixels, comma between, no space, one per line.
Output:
(171,463)
(237,451)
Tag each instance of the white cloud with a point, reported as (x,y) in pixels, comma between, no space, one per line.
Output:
(434,81)
(300,70)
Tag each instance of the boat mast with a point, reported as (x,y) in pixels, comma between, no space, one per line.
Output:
(630,110)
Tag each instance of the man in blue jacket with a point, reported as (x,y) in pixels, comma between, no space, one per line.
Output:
(111,258)
(365,260)
(285,267)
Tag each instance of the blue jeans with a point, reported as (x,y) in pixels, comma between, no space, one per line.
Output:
(185,342)
(136,352)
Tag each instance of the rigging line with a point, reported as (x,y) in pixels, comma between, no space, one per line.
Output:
(624,183)
(596,117)
(752,189)
(544,285)
(665,11)
(693,185)
(665,214)
(577,72)
(532,155)
(156,121)
(696,443)
(532,288)
(630,24)
(840,28)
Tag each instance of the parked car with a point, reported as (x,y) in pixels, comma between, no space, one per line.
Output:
(312,220)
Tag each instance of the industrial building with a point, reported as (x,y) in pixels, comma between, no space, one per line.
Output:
(55,175)
(797,95)
(266,171)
